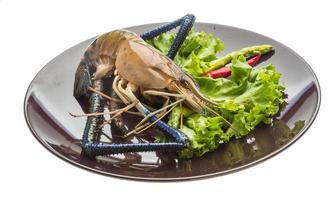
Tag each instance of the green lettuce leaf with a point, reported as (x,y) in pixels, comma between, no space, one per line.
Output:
(197,50)
(249,97)
(205,133)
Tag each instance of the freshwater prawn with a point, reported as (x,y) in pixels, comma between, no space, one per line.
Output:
(138,70)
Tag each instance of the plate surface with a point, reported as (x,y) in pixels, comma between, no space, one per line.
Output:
(49,99)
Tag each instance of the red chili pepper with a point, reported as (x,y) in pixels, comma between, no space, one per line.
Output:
(222,72)
(253,61)
(226,71)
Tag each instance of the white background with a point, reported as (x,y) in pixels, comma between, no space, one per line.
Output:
(33,32)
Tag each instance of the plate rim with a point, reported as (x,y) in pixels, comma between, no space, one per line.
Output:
(187,178)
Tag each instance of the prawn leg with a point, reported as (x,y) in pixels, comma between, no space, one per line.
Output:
(91,148)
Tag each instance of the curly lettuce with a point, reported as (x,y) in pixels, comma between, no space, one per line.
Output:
(198,49)
(205,133)
(249,97)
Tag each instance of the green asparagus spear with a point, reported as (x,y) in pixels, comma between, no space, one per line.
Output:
(259,49)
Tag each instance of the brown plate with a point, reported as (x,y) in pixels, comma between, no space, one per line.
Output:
(49,99)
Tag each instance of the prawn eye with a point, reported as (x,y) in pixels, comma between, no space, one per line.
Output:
(182,80)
